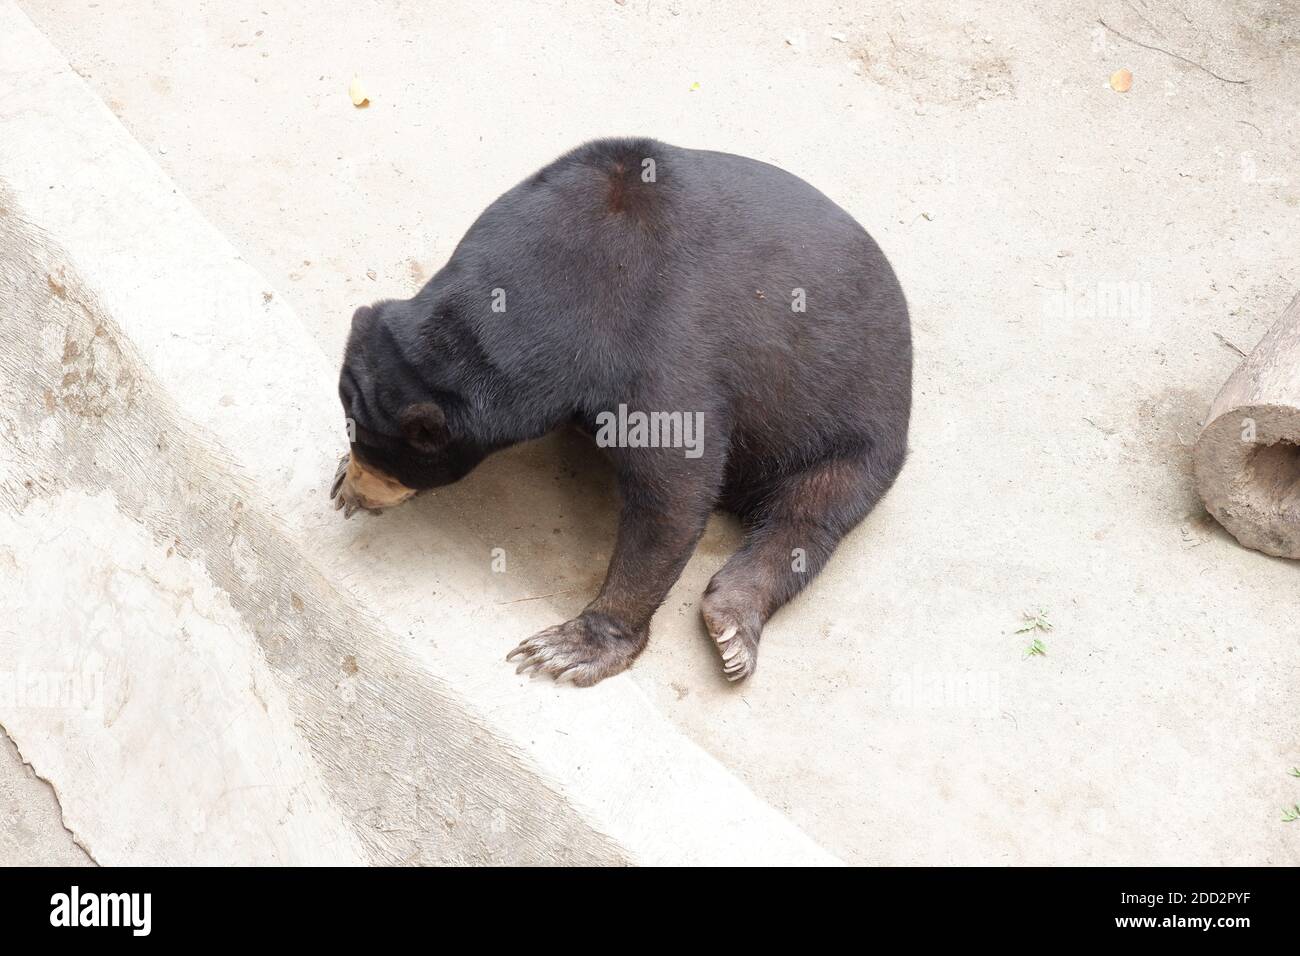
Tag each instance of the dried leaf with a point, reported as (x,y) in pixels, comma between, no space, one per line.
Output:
(357,92)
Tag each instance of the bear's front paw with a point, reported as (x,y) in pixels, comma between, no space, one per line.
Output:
(341,493)
(585,650)
(344,495)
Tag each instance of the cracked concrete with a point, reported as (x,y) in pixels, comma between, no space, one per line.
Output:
(31,823)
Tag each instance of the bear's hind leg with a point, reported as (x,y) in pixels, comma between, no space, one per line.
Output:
(791,535)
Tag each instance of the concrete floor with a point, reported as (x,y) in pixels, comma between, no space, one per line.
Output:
(894,717)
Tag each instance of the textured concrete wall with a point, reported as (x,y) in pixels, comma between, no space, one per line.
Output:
(198,671)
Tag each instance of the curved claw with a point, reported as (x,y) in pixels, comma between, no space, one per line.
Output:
(527,663)
(344,499)
(339,475)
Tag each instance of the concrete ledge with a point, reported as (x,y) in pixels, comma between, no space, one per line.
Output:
(247,689)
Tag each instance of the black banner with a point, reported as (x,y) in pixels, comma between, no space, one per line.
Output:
(1043,906)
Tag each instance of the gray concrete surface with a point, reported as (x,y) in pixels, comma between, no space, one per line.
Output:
(1075,259)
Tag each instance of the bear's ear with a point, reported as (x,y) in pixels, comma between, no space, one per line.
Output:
(424,426)
(362,317)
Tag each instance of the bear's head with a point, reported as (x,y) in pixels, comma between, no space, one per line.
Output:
(402,411)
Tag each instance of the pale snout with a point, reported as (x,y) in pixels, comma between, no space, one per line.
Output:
(361,486)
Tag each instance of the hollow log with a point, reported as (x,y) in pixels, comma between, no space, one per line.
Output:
(1247,457)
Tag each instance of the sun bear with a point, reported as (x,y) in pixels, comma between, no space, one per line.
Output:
(731,337)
